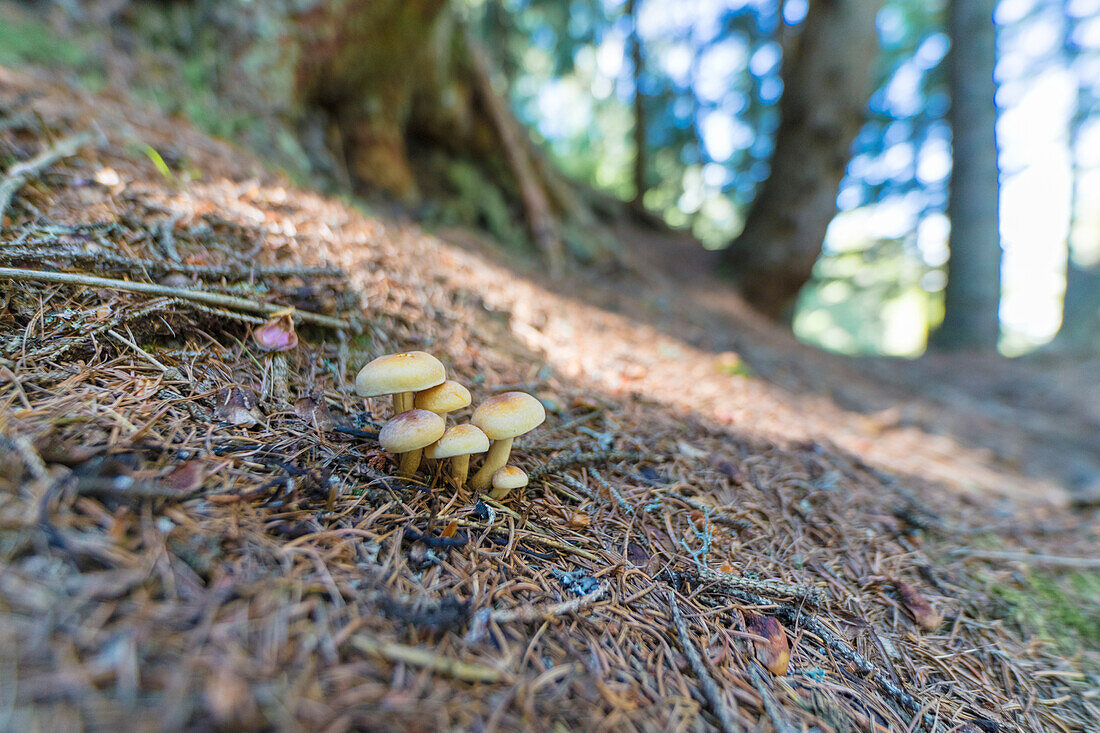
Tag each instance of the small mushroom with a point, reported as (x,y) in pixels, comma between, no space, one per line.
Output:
(401,375)
(407,434)
(278,333)
(443,398)
(506,479)
(502,418)
(458,443)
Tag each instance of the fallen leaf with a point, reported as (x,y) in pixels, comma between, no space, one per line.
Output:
(927,617)
(775,653)
(314,412)
(449,530)
(636,554)
(236,408)
(185,478)
(579,519)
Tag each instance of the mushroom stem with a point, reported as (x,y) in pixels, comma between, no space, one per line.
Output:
(410,462)
(495,459)
(403,402)
(460,469)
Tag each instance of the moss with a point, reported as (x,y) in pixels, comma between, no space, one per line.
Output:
(476,201)
(1060,607)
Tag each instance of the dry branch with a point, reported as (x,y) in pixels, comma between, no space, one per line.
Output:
(226,301)
(712,695)
(20,173)
(421,657)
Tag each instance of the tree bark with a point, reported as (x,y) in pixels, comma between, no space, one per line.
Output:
(640,134)
(1080,329)
(827,85)
(973,293)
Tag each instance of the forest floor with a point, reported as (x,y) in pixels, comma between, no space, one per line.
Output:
(196,534)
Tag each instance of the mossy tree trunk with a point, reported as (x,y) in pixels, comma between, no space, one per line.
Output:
(400,82)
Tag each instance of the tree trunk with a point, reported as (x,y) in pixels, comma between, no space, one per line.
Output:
(363,63)
(973,293)
(1080,329)
(827,84)
(640,135)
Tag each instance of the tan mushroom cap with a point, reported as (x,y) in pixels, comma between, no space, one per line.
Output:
(509,414)
(446,397)
(411,431)
(409,371)
(509,478)
(461,440)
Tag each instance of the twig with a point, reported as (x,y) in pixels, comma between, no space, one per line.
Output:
(20,173)
(579,458)
(110,260)
(725,581)
(711,693)
(795,616)
(536,613)
(716,516)
(767,698)
(227,301)
(420,657)
(1081,563)
(142,352)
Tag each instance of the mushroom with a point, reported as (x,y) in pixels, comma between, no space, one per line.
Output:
(506,479)
(443,398)
(503,417)
(406,434)
(401,375)
(457,444)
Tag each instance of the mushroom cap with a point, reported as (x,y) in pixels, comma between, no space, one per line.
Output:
(411,430)
(461,440)
(509,478)
(409,371)
(444,397)
(509,414)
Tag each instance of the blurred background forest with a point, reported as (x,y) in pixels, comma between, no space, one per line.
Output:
(673,112)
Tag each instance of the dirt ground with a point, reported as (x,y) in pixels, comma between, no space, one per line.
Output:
(197,534)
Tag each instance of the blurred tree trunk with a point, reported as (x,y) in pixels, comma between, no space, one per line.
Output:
(1080,329)
(640,136)
(827,83)
(973,293)
(405,90)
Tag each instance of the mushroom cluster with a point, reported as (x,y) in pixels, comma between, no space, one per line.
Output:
(423,397)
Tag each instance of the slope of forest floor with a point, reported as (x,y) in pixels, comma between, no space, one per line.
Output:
(198,534)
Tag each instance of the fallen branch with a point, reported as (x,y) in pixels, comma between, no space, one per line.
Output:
(20,173)
(421,657)
(726,582)
(711,693)
(1050,561)
(795,616)
(112,261)
(529,614)
(536,206)
(226,301)
(583,458)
